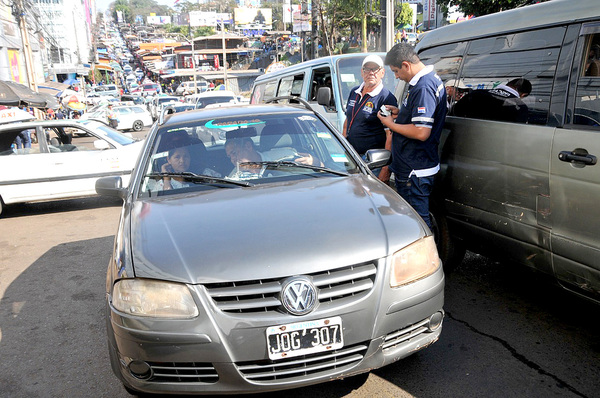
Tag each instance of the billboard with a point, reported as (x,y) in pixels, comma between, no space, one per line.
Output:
(203,18)
(253,18)
(159,20)
(301,22)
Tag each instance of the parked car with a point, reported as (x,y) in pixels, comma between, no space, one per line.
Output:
(211,97)
(150,89)
(106,90)
(131,117)
(157,101)
(268,272)
(66,161)
(525,188)
(187,87)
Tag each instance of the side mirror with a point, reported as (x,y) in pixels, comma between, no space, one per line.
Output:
(378,158)
(324,97)
(101,145)
(111,186)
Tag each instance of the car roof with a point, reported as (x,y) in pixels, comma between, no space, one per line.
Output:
(218,93)
(530,17)
(237,111)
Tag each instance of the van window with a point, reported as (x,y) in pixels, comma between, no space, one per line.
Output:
(587,100)
(530,55)
(291,85)
(320,78)
(447,60)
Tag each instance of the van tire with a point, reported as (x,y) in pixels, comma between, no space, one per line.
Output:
(1,205)
(451,251)
(138,125)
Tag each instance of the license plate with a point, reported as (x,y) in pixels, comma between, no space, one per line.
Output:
(301,338)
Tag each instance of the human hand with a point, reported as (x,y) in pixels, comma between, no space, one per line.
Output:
(166,168)
(384,175)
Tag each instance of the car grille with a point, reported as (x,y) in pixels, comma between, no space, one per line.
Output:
(303,365)
(263,295)
(188,372)
(400,336)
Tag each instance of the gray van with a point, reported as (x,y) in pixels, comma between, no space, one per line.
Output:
(339,73)
(526,190)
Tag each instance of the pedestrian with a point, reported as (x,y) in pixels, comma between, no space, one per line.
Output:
(362,127)
(113,121)
(417,127)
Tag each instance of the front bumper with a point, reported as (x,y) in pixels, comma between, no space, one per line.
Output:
(220,353)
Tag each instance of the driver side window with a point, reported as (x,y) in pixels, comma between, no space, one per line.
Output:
(587,101)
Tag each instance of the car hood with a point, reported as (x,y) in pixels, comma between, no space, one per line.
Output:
(269,231)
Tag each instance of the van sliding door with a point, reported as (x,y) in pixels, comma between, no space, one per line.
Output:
(575,172)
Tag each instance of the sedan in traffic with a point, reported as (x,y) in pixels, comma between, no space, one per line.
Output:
(65,160)
(267,259)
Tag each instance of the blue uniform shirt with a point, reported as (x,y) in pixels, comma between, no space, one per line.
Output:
(364,130)
(424,105)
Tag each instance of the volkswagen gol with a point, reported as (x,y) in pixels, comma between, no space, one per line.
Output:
(256,252)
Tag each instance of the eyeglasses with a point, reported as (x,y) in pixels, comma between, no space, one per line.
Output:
(371,70)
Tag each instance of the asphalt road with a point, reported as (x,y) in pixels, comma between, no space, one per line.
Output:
(508,332)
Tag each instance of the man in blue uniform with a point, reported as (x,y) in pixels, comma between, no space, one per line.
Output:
(362,128)
(417,127)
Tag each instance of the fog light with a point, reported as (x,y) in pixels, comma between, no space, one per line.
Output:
(140,370)
(435,321)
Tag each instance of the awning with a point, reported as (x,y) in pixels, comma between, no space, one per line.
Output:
(103,67)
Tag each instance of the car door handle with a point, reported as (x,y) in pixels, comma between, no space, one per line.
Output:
(577,156)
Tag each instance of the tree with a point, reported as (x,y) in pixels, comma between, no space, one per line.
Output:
(404,15)
(484,7)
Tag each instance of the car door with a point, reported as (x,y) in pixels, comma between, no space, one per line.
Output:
(79,158)
(125,116)
(575,173)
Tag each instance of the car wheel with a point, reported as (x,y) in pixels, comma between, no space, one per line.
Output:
(451,250)
(138,125)
(1,205)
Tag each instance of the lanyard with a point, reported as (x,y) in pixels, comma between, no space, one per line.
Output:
(355,110)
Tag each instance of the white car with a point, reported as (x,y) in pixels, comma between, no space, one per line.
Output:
(131,117)
(187,87)
(212,97)
(65,162)
(156,104)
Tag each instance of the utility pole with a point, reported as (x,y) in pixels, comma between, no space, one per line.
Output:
(224,55)
(18,12)
(193,58)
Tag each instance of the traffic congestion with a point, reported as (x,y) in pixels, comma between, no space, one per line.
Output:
(412,220)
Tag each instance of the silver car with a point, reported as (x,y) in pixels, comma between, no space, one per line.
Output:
(267,259)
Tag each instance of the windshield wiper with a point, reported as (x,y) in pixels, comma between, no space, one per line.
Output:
(187,175)
(287,163)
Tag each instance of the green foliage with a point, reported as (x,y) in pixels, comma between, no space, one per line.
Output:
(404,15)
(484,7)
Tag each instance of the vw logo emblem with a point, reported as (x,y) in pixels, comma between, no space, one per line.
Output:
(299,296)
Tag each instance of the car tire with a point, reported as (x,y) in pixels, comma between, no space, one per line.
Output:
(451,250)
(1,205)
(138,125)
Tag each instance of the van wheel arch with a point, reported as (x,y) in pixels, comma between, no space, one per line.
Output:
(451,250)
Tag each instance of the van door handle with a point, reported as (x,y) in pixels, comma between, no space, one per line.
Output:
(578,156)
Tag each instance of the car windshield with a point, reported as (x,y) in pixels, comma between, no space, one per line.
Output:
(231,152)
(108,132)
(350,76)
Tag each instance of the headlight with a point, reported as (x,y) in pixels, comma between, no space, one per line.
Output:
(145,297)
(414,262)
